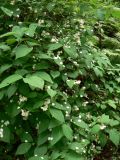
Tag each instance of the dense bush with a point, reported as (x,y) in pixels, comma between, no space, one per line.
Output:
(59,89)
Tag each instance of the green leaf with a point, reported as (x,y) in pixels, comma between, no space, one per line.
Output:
(115,11)
(43,126)
(55,154)
(38,158)
(4,47)
(9,80)
(59,106)
(4,67)
(18,32)
(23,148)
(98,71)
(50,6)
(32,28)
(112,104)
(7,11)
(12,110)
(71,51)
(56,135)
(51,92)
(40,150)
(42,138)
(70,83)
(103,139)
(44,56)
(45,76)
(22,51)
(54,46)
(34,81)
(55,74)
(114,122)
(54,123)
(73,156)
(114,136)
(57,114)
(95,129)
(11,90)
(105,119)
(2,94)
(7,34)
(26,137)
(80,123)
(6,135)
(10,40)
(77,145)
(67,131)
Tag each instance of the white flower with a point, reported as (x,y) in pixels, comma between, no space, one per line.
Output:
(61,63)
(41,21)
(83,140)
(53,104)
(6,123)
(50,138)
(18,107)
(42,157)
(76,148)
(26,141)
(1,132)
(77,81)
(80,116)
(66,112)
(50,129)
(53,40)
(35,11)
(84,87)
(44,108)
(44,33)
(68,80)
(18,9)
(67,115)
(12,2)
(37,126)
(79,120)
(67,107)
(102,127)
(76,108)
(36,155)
(75,137)
(2,121)
(22,99)
(11,25)
(19,23)
(11,100)
(24,114)
(66,46)
(84,151)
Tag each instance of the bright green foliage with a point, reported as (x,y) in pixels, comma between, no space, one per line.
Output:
(59,79)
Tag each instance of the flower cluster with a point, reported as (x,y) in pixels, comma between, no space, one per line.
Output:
(24,114)
(1,132)
(46,105)
(22,99)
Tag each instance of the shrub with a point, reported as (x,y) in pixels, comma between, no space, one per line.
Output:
(59,91)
